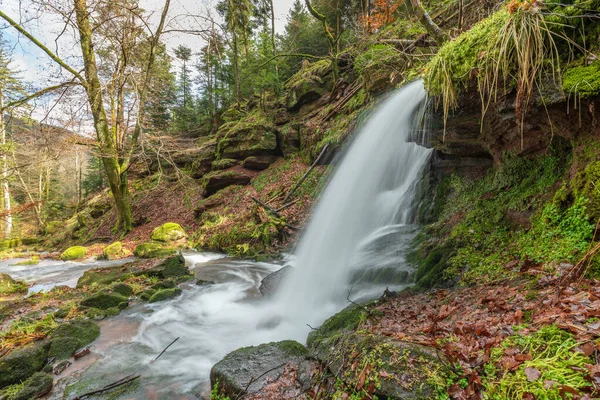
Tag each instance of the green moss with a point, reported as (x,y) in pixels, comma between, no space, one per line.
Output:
(95,277)
(104,301)
(9,285)
(36,386)
(552,353)
(164,294)
(346,320)
(20,364)
(114,251)
(293,348)
(74,253)
(153,250)
(583,80)
(72,335)
(224,163)
(35,260)
(169,232)
(123,289)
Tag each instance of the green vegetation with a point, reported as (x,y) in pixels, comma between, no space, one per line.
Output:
(153,250)
(554,362)
(169,232)
(71,336)
(114,251)
(164,294)
(215,394)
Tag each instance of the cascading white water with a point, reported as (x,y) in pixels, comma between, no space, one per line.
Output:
(371,193)
(363,221)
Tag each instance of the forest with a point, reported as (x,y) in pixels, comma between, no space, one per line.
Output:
(328,199)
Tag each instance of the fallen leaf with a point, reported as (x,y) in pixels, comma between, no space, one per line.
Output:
(532,374)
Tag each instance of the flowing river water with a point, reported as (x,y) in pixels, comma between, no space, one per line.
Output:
(354,247)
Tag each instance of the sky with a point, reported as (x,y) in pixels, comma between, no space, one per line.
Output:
(36,68)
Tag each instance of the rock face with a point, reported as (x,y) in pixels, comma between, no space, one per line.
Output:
(74,253)
(217,180)
(270,283)
(20,364)
(246,138)
(259,163)
(259,364)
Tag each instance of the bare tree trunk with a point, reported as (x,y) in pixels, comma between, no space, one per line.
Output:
(8,222)
(432,28)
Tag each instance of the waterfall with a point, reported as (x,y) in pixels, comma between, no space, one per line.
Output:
(370,197)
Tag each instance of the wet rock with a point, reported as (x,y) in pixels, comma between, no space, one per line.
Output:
(168,233)
(72,335)
(123,289)
(81,353)
(35,387)
(164,294)
(259,163)
(218,180)
(104,301)
(74,253)
(259,364)
(20,364)
(201,282)
(59,367)
(270,283)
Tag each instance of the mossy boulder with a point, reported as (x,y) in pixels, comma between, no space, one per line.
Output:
(104,301)
(168,233)
(224,164)
(147,294)
(153,250)
(74,253)
(164,294)
(217,180)
(101,276)
(72,335)
(123,289)
(583,80)
(257,364)
(20,364)
(114,251)
(259,163)
(38,385)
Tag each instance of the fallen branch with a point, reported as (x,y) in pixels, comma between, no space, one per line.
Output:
(306,174)
(365,309)
(108,387)
(342,103)
(165,349)
(283,207)
(253,379)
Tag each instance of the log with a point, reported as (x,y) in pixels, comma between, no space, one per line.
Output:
(274,212)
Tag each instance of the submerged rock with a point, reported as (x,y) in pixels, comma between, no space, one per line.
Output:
(20,364)
(270,283)
(257,364)
(74,253)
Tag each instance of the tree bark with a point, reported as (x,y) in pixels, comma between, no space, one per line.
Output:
(8,222)
(432,28)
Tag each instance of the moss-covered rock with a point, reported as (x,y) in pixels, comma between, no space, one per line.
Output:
(74,253)
(101,277)
(114,251)
(20,364)
(123,289)
(254,135)
(257,364)
(583,80)
(35,387)
(309,84)
(147,294)
(72,335)
(169,232)
(164,294)
(224,164)
(259,163)
(104,301)
(7,283)
(153,250)
(173,267)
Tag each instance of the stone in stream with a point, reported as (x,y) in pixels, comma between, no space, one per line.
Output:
(249,369)
(104,301)
(20,364)
(270,283)
(59,367)
(81,353)
(164,294)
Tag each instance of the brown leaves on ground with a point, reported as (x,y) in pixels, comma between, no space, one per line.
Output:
(466,324)
(284,387)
